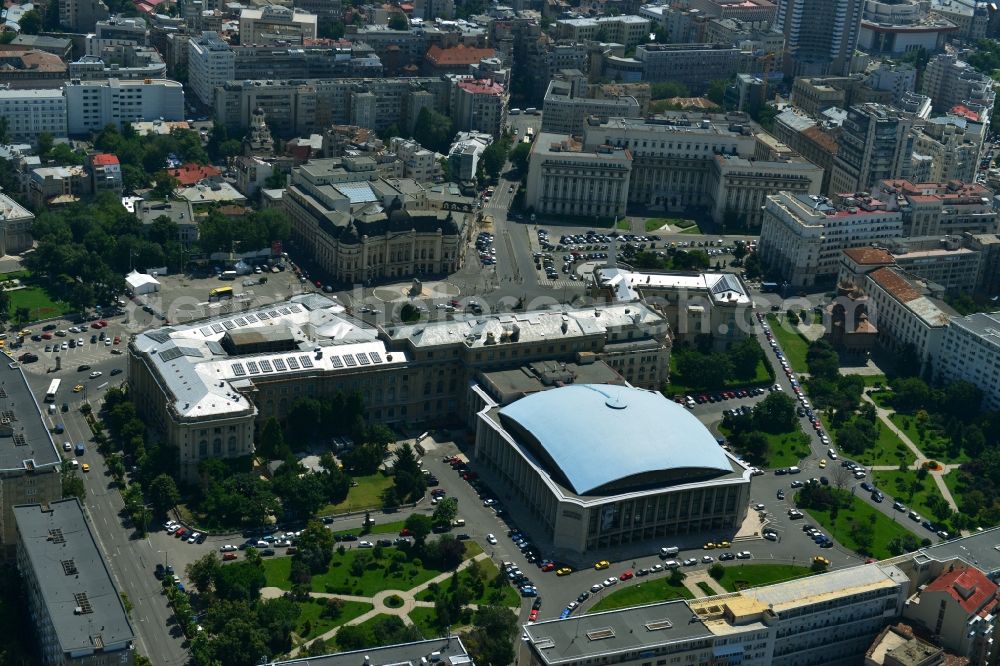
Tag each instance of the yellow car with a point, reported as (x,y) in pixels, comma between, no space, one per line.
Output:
(564,571)
(25,333)
(603,564)
(819,559)
(822,463)
(77,388)
(722,544)
(85,467)
(709,546)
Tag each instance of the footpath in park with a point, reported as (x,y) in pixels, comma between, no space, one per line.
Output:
(378,601)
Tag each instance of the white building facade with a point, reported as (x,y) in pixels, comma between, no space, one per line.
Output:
(91,105)
(211,62)
(32,112)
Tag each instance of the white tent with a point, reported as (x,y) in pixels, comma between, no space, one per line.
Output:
(140,283)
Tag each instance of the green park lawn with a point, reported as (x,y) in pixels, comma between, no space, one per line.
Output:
(706,588)
(905,487)
(504,596)
(38,302)
(743,576)
(366,495)
(786,450)
(874,380)
(888,449)
(378,528)
(624,225)
(885,529)
(929,440)
(793,344)
(647,592)
(378,576)
(310,623)
(423,619)
(694,229)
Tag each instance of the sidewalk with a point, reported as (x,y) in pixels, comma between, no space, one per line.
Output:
(937,475)
(378,601)
(692,579)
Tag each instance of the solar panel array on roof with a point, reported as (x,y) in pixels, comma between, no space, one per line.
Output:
(238,370)
(728,282)
(265,365)
(279,365)
(337,363)
(284,311)
(191,351)
(170,354)
(305,361)
(293,364)
(273,313)
(252,367)
(217,328)
(376,357)
(363,358)
(241,321)
(295,308)
(262,316)
(252,318)
(158,336)
(206,331)
(349,360)
(229,325)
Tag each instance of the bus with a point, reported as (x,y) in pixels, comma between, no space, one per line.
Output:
(50,395)
(220,293)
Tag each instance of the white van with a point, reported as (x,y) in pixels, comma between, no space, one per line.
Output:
(794,470)
(669,551)
(672,564)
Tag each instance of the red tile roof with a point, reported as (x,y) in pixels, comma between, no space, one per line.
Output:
(966,112)
(104,159)
(481,87)
(868,255)
(457,55)
(192,174)
(894,284)
(969,587)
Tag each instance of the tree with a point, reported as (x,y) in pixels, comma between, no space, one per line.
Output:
(163,494)
(863,534)
(72,484)
(409,481)
(30,22)
(315,547)
(744,357)
(272,441)
(165,185)
(398,21)
(822,360)
(717,571)
(445,511)
(419,526)
(202,572)
(239,581)
(494,158)
(491,641)
(668,89)
(961,400)
(519,157)
(716,91)
(433,130)
(753,444)
(775,414)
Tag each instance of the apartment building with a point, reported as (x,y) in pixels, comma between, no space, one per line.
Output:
(118,31)
(30,464)
(479,105)
(875,144)
(57,185)
(105,173)
(275,24)
(812,140)
(567,107)
(447,650)
(419,163)
(908,312)
(628,30)
(359,227)
(76,612)
(120,62)
(802,236)
(208,405)
(465,153)
(940,209)
(92,105)
(952,82)
(457,59)
(893,28)
(953,153)
(306,62)
(81,16)
(829,618)
(694,65)
(15,226)
(298,107)
(565,179)
(739,187)
(211,63)
(252,174)
(751,11)
(673,154)
(970,351)
(33,112)
(820,35)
